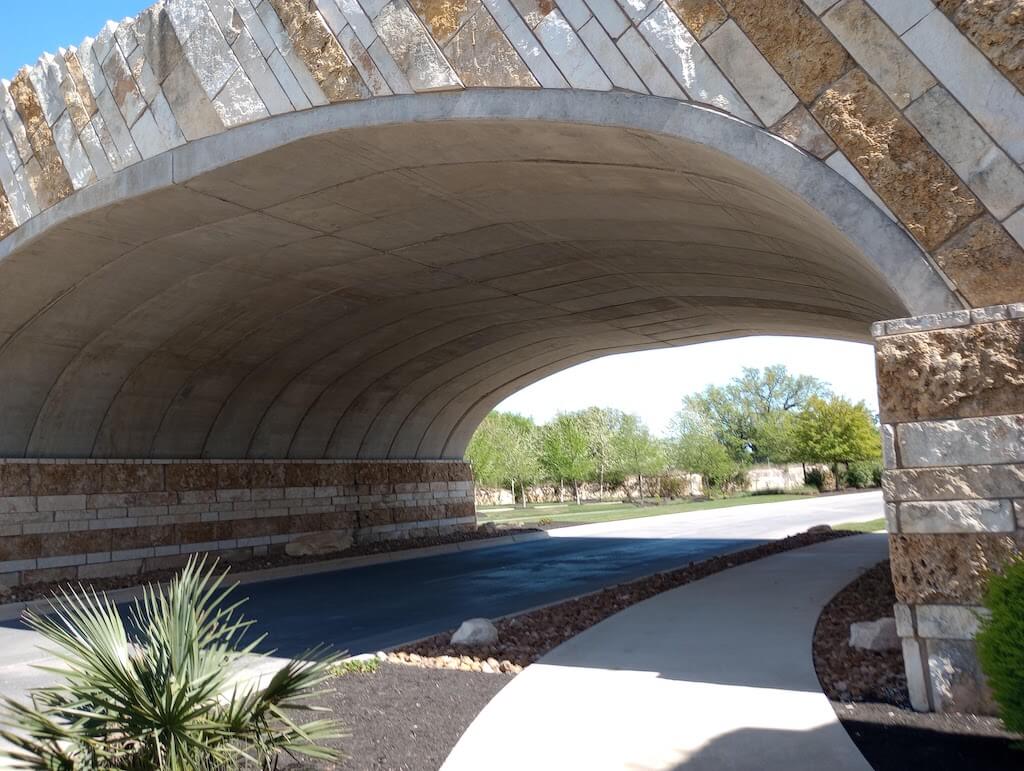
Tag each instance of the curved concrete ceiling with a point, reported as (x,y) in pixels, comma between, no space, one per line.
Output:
(369,279)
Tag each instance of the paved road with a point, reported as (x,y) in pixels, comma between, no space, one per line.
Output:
(366,609)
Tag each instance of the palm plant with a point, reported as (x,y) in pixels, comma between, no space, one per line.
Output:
(162,692)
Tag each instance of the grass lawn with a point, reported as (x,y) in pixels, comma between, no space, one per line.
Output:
(607,512)
(871,526)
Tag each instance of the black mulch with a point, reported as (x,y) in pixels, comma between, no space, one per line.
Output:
(404,718)
(868,693)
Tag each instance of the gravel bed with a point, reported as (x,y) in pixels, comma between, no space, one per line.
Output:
(402,718)
(868,691)
(47,589)
(524,638)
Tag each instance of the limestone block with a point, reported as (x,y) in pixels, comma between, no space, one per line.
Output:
(259,74)
(795,42)
(950,622)
(975,516)
(986,265)
(357,19)
(15,126)
(689,64)
(989,172)
(536,58)
(238,102)
(889,459)
(80,103)
(702,17)
(957,682)
(75,159)
(158,42)
(576,11)
(637,10)
(46,80)
(283,43)
(202,44)
(388,68)
(98,151)
(878,51)
(47,174)
(195,114)
(648,67)
(969,441)
(917,678)
(95,80)
(415,52)
(363,61)
(757,82)
(954,483)
(971,78)
(840,163)
(475,631)
(295,93)
(157,130)
(320,51)
(570,54)
(1015,226)
(907,174)
(1018,509)
(7,222)
(112,124)
(26,101)
(948,568)
(610,15)
(443,18)
(820,6)
(997,28)
(610,58)
(944,320)
(127,95)
(125,36)
(144,76)
(951,373)
(901,15)
(483,56)
(19,193)
(892,517)
(878,635)
(800,128)
(904,616)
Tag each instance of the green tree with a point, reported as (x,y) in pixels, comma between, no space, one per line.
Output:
(695,449)
(505,449)
(752,414)
(602,425)
(566,451)
(639,454)
(836,431)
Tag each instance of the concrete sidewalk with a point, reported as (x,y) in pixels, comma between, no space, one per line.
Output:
(713,676)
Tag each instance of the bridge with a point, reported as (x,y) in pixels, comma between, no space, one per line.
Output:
(264,266)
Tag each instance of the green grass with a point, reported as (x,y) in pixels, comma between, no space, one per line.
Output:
(871,526)
(359,666)
(608,512)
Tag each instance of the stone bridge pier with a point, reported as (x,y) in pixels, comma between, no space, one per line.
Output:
(266,264)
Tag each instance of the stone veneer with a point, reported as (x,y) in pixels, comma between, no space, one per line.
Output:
(951,393)
(63,520)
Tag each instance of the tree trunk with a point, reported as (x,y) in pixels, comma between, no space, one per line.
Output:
(600,489)
(561,491)
(835,473)
(513,492)
(640,486)
(576,487)
(522,489)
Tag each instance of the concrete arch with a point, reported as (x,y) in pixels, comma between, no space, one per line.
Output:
(366,279)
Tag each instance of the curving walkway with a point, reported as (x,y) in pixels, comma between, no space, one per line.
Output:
(713,676)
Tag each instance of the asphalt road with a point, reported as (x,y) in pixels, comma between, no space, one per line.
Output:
(370,608)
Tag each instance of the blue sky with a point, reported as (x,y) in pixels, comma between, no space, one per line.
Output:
(30,28)
(650,384)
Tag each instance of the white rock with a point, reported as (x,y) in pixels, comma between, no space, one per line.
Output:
(318,544)
(877,635)
(475,631)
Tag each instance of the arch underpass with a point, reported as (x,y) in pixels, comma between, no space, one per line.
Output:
(264,266)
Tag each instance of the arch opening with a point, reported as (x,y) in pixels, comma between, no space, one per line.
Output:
(367,280)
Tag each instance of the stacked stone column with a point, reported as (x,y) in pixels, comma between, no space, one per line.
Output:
(951,394)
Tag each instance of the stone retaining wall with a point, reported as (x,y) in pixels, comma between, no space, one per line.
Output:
(78,519)
(952,406)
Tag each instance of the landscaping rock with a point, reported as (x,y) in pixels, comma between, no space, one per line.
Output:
(318,544)
(820,529)
(877,635)
(475,631)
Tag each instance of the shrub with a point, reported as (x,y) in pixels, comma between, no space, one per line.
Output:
(865,473)
(166,695)
(1001,643)
(819,477)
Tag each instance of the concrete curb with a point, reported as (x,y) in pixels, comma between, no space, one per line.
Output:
(14,610)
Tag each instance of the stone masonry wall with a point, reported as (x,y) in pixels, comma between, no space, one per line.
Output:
(918,104)
(951,392)
(63,520)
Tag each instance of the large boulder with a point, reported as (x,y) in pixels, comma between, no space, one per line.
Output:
(319,544)
(475,631)
(877,635)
